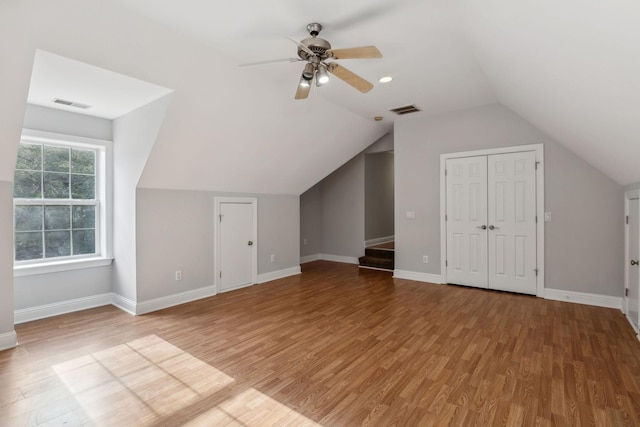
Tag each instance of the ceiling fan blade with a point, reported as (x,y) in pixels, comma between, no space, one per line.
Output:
(356,52)
(349,77)
(273,61)
(303,91)
(301,46)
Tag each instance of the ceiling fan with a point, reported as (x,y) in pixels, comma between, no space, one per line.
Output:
(317,52)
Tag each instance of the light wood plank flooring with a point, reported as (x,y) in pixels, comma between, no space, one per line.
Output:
(335,346)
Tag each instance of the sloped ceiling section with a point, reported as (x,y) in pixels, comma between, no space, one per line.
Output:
(572,68)
(224,130)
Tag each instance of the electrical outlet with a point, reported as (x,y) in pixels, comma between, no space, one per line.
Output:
(425,259)
(304,241)
(547,216)
(410,215)
(178,274)
(273,257)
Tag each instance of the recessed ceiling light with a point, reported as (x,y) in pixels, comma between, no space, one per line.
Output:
(385,79)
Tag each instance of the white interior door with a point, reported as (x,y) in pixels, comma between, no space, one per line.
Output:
(467,221)
(633,255)
(512,222)
(491,227)
(236,245)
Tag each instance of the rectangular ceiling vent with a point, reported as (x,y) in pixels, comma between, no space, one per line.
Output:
(70,103)
(407,109)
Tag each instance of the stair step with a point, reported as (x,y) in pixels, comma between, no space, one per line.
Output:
(376,262)
(379,253)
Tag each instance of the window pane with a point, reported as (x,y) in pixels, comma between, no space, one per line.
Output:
(56,185)
(84,217)
(57,217)
(28,218)
(83,161)
(56,159)
(57,243)
(84,242)
(29,157)
(28,246)
(27,185)
(83,187)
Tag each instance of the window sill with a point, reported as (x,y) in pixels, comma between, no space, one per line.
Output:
(60,266)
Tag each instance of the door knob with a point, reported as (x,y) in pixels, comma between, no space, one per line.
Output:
(634,262)
(250,243)
(484,227)
(491,227)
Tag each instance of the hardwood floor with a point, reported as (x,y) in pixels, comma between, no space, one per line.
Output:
(335,346)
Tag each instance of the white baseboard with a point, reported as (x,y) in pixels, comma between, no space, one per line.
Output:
(156,304)
(124,304)
(280,274)
(583,298)
(340,258)
(8,340)
(366,267)
(420,277)
(64,307)
(329,257)
(309,258)
(634,327)
(379,241)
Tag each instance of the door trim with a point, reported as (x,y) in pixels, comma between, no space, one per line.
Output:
(539,151)
(217,201)
(628,195)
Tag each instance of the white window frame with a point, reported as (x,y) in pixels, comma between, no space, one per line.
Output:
(104,205)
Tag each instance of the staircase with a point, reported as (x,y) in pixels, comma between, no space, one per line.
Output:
(378,258)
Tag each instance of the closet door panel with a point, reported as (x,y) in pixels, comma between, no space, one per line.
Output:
(466,211)
(512,224)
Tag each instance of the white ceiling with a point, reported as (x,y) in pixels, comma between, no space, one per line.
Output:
(420,41)
(109,95)
(571,68)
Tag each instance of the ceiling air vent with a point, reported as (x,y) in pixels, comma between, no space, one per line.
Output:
(70,103)
(406,109)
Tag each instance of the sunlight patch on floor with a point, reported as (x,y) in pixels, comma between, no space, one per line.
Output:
(150,380)
(252,408)
(147,377)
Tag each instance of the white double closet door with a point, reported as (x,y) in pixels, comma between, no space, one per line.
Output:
(491,221)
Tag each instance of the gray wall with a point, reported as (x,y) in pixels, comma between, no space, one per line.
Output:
(584,242)
(278,232)
(378,195)
(343,210)
(35,290)
(332,213)
(51,288)
(6,257)
(630,187)
(311,221)
(175,232)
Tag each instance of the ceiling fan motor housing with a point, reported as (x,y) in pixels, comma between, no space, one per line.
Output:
(316,45)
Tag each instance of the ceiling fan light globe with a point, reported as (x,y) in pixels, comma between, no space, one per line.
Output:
(307,74)
(322,76)
(304,82)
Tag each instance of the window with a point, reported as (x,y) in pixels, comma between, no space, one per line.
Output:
(59,196)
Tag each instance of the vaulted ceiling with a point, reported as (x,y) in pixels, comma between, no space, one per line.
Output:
(570,67)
